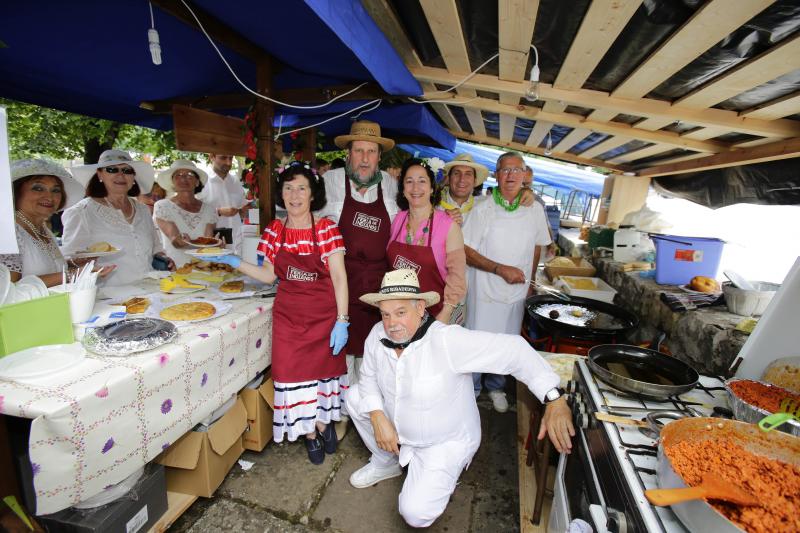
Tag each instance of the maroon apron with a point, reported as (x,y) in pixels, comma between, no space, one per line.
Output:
(365,229)
(302,318)
(420,259)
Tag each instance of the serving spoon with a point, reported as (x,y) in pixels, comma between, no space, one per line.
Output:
(713,487)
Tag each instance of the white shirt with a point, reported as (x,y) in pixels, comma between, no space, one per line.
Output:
(226,192)
(427,391)
(335,194)
(89,222)
(192,224)
(35,258)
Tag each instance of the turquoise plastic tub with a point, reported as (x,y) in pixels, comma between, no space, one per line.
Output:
(679,259)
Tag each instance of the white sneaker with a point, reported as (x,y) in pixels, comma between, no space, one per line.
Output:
(369,474)
(499,401)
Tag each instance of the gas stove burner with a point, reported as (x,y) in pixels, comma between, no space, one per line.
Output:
(654,425)
(722,412)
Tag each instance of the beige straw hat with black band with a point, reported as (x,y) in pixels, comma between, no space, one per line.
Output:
(364,130)
(400,284)
(481,172)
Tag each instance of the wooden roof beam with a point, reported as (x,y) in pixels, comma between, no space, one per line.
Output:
(571,139)
(645,107)
(782,107)
(784,149)
(640,153)
(710,24)
(524,148)
(606,145)
(221,33)
(386,19)
(507,127)
(577,121)
(773,63)
(538,133)
(516,20)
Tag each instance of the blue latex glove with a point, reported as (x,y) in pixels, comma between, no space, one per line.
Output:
(339,336)
(231,260)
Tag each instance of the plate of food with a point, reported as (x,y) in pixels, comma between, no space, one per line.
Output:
(209,251)
(178,284)
(187,311)
(98,249)
(204,242)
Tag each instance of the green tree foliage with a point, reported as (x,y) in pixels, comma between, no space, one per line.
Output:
(35,131)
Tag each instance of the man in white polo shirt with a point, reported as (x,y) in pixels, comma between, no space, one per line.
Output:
(225,192)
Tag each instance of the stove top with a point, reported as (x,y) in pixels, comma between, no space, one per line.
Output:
(633,450)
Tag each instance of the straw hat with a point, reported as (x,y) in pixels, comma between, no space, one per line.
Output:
(41,167)
(364,130)
(481,172)
(400,284)
(144,172)
(164,178)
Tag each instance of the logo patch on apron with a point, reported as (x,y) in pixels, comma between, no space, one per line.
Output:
(367,222)
(295,274)
(402,262)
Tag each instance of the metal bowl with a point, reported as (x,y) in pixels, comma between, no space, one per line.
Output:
(747,412)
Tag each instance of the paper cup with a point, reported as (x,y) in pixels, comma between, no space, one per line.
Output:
(81,302)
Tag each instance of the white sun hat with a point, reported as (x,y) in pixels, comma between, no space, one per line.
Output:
(164,178)
(42,167)
(144,171)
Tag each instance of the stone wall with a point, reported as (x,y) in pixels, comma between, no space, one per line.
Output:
(705,338)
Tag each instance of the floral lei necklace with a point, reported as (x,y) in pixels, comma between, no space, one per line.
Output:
(505,204)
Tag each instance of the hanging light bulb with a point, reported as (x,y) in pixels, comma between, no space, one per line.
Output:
(153,40)
(548,148)
(532,92)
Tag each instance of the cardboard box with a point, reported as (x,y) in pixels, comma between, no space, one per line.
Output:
(582,268)
(259,404)
(137,511)
(198,462)
(579,286)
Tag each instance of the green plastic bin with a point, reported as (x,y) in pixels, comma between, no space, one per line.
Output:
(36,322)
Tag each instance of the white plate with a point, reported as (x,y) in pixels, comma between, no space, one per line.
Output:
(91,255)
(41,361)
(155,309)
(5,283)
(186,290)
(200,255)
(686,288)
(37,287)
(193,245)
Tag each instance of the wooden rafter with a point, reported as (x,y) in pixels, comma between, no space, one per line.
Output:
(606,145)
(538,133)
(507,127)
(571,139)
(516,20)
(641,153)
(577,121)
(445,25)
(782,107)
(710,24)
(645,107)
(603,22)
(540,151)
(784,149)
(386,19)
(771,64)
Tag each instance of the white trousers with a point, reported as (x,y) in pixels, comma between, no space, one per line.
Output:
(432,471)
(353,371)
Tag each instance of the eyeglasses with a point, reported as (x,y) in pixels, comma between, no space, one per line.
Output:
(184,175)
(115,170)
(510,170)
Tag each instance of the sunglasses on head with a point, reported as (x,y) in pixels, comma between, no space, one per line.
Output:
(114,170)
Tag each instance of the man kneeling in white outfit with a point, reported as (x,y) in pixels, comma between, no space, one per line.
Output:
(414,404)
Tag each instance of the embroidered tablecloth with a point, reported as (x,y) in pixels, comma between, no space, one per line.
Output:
(97,423)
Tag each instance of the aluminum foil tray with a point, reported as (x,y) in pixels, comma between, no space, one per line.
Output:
(747,412)
(129,336)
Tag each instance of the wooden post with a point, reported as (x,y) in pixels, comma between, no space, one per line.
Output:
(310,146)
(264,111)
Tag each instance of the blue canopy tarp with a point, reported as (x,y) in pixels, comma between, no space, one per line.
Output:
(560,176)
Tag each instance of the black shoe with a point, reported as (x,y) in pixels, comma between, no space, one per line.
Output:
(315,452)
(328,437)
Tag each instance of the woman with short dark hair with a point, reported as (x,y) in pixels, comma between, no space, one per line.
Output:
(427,241)
(309,318)
(111,215)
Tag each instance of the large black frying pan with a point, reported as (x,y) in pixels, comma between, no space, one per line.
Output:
(628,320)
(641,371)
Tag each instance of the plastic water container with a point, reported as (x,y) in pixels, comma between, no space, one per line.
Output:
(626,245)
(679,259)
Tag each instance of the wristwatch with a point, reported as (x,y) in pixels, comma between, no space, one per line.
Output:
(553,394)
(342,318)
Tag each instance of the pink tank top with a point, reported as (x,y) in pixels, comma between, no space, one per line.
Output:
(441,226)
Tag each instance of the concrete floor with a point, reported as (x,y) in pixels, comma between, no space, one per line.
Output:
(283,492)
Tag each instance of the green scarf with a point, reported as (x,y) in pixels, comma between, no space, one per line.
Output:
(353,176)
(505,204)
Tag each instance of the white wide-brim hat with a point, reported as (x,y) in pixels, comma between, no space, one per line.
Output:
(481,172)
(144,171)
(164,178)
(41,167)
(400,284)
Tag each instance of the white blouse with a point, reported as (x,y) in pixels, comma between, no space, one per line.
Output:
(35,258)
(192,224)
(89,222)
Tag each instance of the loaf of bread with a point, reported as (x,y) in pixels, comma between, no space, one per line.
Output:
(704,284)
